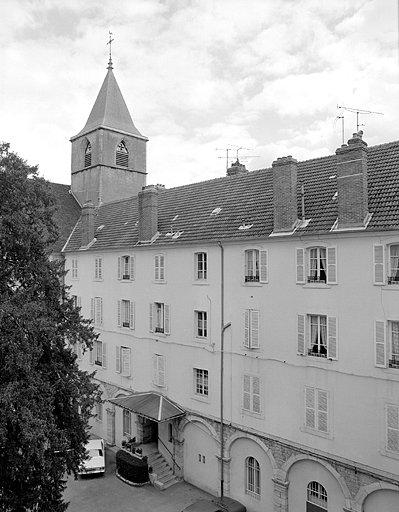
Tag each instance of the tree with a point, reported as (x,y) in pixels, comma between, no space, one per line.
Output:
(45,400)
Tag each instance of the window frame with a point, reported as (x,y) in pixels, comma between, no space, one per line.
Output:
(201,267)
(97,310)
(391,430)
(251,394)
(121,154)
(252,329)
(160,318)
(75,269)
(98,268)
(319,492)
(123,361)
(159,370)
(252,477)
(303,265)
(126,263)
(160,268)
(88,154)
(126,423)
(384,355)
(203,321)
(201,383)
(317,411)
(304,337)
(256,266)
(99,349)
(99,411)
(126,314)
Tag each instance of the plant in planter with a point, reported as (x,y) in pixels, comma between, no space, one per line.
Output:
(132,468)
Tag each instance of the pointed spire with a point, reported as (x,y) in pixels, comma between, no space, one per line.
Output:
(110,53)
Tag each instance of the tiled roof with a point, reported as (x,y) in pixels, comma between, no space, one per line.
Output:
(66,215)
(246,200)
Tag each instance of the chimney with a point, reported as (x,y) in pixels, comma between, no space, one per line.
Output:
(352,183)
(285,209)
(236,168)
(148,212)
(87,223)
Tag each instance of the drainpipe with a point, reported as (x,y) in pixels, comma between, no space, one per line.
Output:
(223,328)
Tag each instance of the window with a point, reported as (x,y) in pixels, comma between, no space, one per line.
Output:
(201,266)
(393,264)
(316,497)
(74,263)
(201,383)
(126,268)
(99,412)
(98,268)
(201,328)
(97,310)
(88,155)
(316,265)
(77,349)
(160,317)
(255,266)
(127,424)
(392,428)
(252,477)
(251,393)
(316,409)
(98,354)
(122,155)
(379,264)
(251,330)
(159,371)
(159,267)
(322,336)
(382,352)
(126,313)
(122,359)
(77,301)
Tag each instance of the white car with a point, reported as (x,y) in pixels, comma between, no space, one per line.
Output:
(95,461)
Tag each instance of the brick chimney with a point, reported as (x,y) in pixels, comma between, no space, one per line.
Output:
(236,168)
(285,209)
(352,183)
(88,214)
(148,212)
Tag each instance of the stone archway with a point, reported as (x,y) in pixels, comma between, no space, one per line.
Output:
(371,496)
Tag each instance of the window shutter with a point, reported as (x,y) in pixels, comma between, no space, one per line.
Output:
(263,266)
(393,428)
(380,357)
(79,350)
(310,415)
(132,316)
(118,360)
(161,371)
(332,265)
(322,410)
(254,329)
(247,392)
(119,313)
(301,334)
(92,309)
(246,328)
(151,317)
(104,347)
(119,268)
(99,310)
(379,264)
(91,354)
(125,356)
(100,268)
(332,346)
(132,268)
(255,394)
(156,268)
(161,267)
(79,302)
(166,318)
(300,266)
(155,370)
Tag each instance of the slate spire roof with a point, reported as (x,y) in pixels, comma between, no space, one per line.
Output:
(110,110)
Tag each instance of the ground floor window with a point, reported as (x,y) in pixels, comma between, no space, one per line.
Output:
(252,470)
(127,423)
(316,498)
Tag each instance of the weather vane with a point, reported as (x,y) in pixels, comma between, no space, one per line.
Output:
(110,53)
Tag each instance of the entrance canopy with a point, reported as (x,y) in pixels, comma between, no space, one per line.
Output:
(149,404)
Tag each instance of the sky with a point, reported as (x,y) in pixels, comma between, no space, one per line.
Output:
(200,77)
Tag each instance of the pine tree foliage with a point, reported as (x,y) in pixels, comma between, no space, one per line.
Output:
(45,400)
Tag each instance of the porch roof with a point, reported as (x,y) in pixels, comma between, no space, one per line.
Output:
(149,404)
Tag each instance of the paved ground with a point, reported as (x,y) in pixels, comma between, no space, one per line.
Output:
(109,494)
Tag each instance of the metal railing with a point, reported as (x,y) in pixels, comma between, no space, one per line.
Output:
(174,461)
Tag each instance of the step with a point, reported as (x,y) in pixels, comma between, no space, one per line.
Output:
(165,476)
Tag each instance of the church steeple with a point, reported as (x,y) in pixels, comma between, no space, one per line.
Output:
(109,153)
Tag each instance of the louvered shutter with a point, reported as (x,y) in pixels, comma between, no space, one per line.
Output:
(92,309)
(104,354)
(132,316)
(119,267)
(100,268)
(161,267)
(132,268)
(310,411)
(254,334)
(161,371)
(332,347)
(99,310)
(300,266)
(393,428)
(380,349)
(256,394)
(118,360)
(301,334)
(119,313)
(91,355)
(263,266)
(322,411)
(166,318)
(379,264)
(125,356)
(247,392)
(79,301)
(155,370)
(332,277)
(246,328)
(151,317)
(156,263)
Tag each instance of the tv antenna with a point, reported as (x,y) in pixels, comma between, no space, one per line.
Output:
(357,111)
(237,149)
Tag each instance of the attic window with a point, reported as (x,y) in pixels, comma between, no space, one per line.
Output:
(100,227)
(216,211)
(122,155)
(244,225)
(88,155)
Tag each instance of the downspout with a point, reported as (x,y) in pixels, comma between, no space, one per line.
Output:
(223,328)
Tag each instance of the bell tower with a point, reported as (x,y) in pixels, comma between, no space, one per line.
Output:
(109,159)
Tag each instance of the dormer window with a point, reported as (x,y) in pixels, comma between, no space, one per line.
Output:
(122,155)
(88,155)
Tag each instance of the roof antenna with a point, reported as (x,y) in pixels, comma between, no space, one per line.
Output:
(110,54)
(357,111)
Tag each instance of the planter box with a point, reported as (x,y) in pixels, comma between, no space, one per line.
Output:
(131,467)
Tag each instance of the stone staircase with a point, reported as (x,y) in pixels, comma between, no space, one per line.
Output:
(162,475)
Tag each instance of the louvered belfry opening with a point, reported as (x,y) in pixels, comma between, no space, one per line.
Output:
(122,155)
(88,155)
